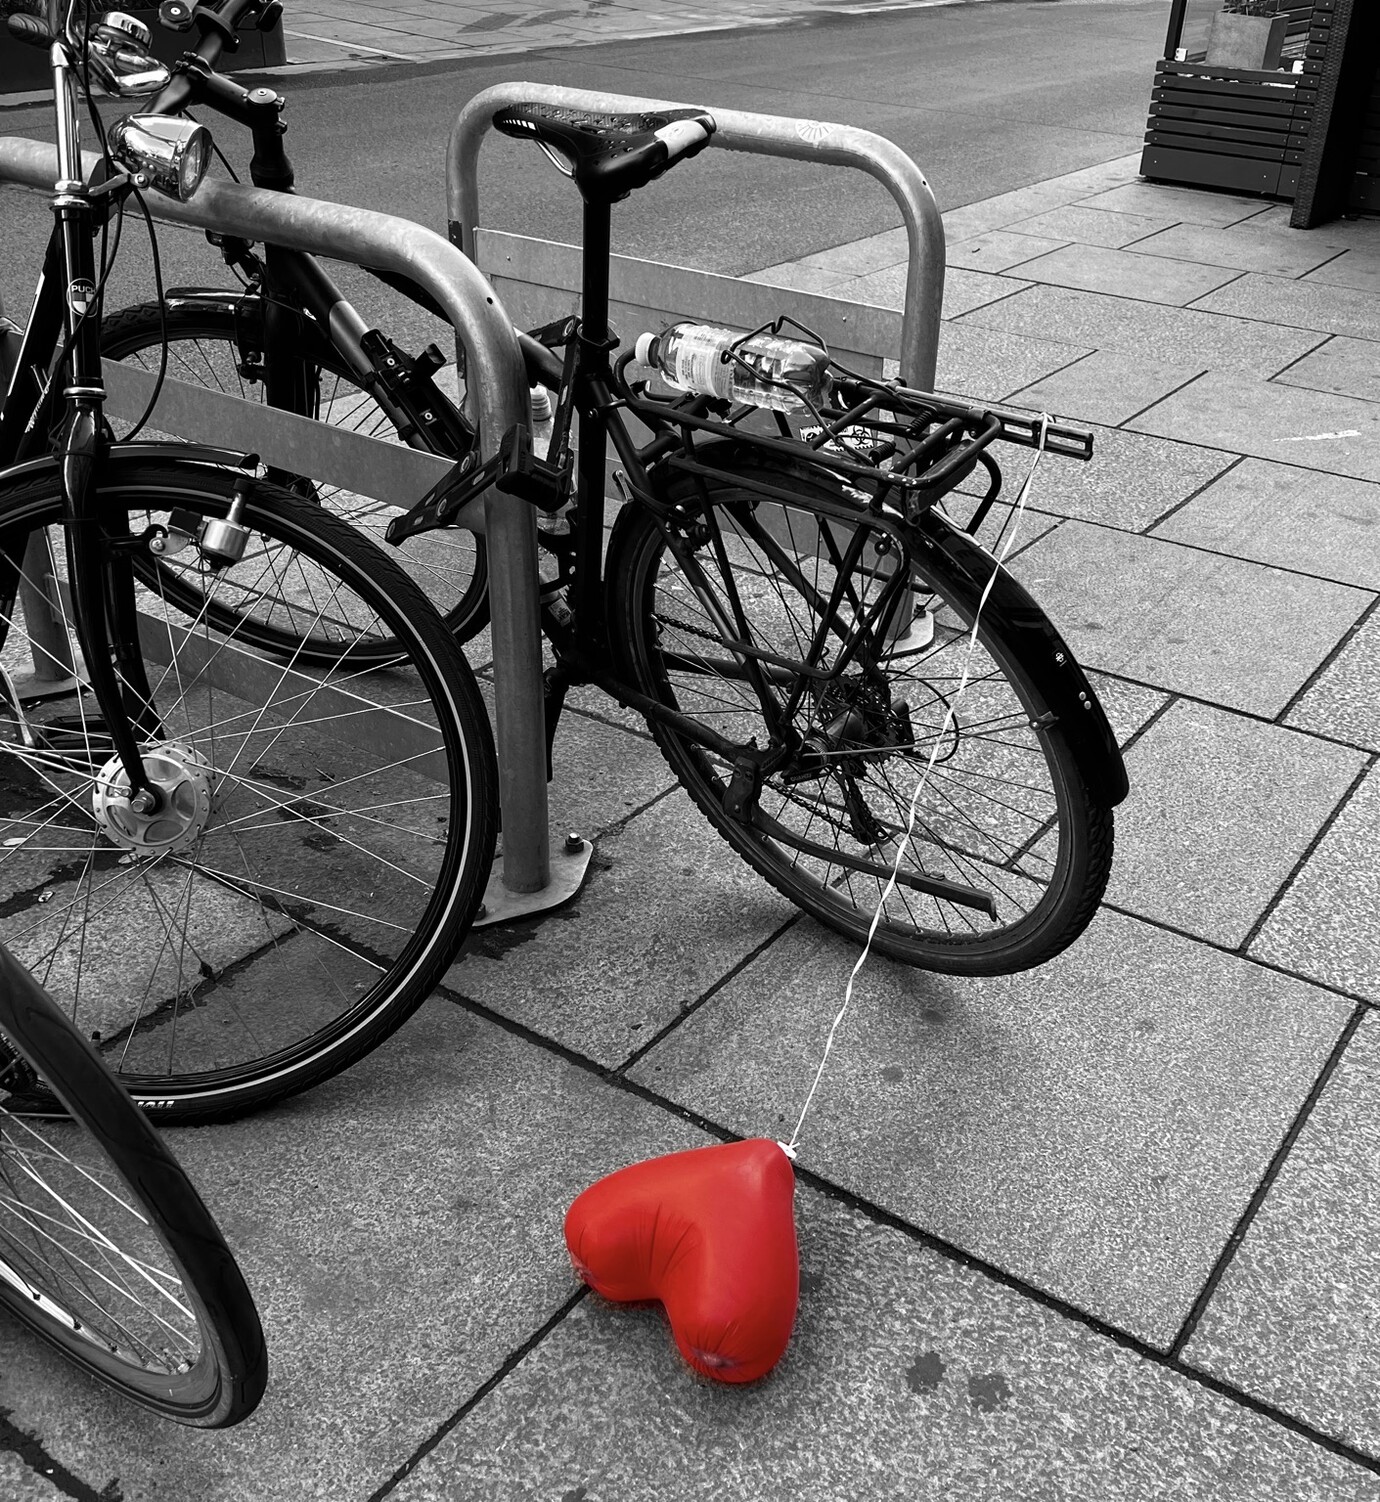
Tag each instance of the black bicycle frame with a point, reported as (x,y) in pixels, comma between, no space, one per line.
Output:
(58,384)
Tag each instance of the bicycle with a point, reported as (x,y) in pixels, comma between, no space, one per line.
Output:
(289,337)
(238,848)
(790,734)
(106,1249)
(820,702)
(797,618)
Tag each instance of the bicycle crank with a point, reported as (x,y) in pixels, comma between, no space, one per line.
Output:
(183,781)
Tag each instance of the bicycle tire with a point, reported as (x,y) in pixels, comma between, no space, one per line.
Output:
(450,565)
(328,834)
(106,1249)
(845,788)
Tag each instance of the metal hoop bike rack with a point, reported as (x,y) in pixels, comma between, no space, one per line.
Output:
(760,135)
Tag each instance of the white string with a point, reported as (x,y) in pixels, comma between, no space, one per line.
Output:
(903,845)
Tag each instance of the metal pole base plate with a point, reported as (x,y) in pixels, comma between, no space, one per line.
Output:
(569,860)
(32,689)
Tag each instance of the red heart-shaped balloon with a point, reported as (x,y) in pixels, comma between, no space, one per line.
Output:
(711,1234)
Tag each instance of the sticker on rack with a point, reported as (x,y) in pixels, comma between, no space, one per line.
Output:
(813,131)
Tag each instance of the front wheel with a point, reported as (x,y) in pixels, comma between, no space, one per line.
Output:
(823,648)
(106,1249)
(323,830)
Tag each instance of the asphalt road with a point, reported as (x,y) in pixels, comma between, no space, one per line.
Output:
(983,97)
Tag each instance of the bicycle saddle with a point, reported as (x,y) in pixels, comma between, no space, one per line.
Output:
(609,155)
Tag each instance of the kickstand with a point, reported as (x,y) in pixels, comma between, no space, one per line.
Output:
(555,682)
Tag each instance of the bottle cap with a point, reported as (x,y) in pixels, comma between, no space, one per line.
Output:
(540,400)
(642,350)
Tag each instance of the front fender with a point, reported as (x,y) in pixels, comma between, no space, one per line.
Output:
(119,455)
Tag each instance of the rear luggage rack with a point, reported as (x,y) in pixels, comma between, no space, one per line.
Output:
(900,447)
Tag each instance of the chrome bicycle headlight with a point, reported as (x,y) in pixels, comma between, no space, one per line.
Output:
(172,155)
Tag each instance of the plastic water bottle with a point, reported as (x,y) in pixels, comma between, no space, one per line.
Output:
(694,357)
(543,423)
(553,523)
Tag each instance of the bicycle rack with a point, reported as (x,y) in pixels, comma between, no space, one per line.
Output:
(527,877)
(760,135)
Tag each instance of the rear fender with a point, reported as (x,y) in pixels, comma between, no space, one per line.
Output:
(1045,655)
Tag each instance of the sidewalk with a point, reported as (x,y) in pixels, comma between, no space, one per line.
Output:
(1103,1231)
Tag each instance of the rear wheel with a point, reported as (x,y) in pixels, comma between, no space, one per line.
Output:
(325,829)
(106,1249)
(207,347)
(826,647)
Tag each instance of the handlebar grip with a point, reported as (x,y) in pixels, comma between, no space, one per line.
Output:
(30,30)
(685,137)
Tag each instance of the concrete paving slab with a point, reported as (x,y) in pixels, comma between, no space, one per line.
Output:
(1148,330)
(799,277)
(1296,1321)
(1066,1125)
(1323,431)
(989,365)
(967,1391)
(21,1484)
(1108,387)
(858,257)
(1343,702)
(1128,705)
(963,290)
(988,214)
(1293,518)
(1005,209)
(1189,205)
(886,287)
(1350,367)
(1272,249)
(1094,226)
(400,1228)
(1299,304)
(1236,633)
(666,913)
(602,773)
(1327,924)
(1353,268)
(998,250)
(1357,232)
(960,508)
(1129,481)
(1221,810)
(1123,273)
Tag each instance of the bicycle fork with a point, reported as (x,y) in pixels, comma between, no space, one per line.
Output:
(104,615)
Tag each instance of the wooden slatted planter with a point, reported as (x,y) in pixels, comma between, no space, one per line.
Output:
(1308,132)
(1235,128)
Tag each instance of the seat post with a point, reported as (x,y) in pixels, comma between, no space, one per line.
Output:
(594,373)
(594,274)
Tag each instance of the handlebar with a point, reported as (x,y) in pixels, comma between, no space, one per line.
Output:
(218,25)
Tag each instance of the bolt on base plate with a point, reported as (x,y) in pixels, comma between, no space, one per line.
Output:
(569,863)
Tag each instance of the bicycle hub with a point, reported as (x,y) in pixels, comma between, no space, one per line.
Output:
(182,780)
